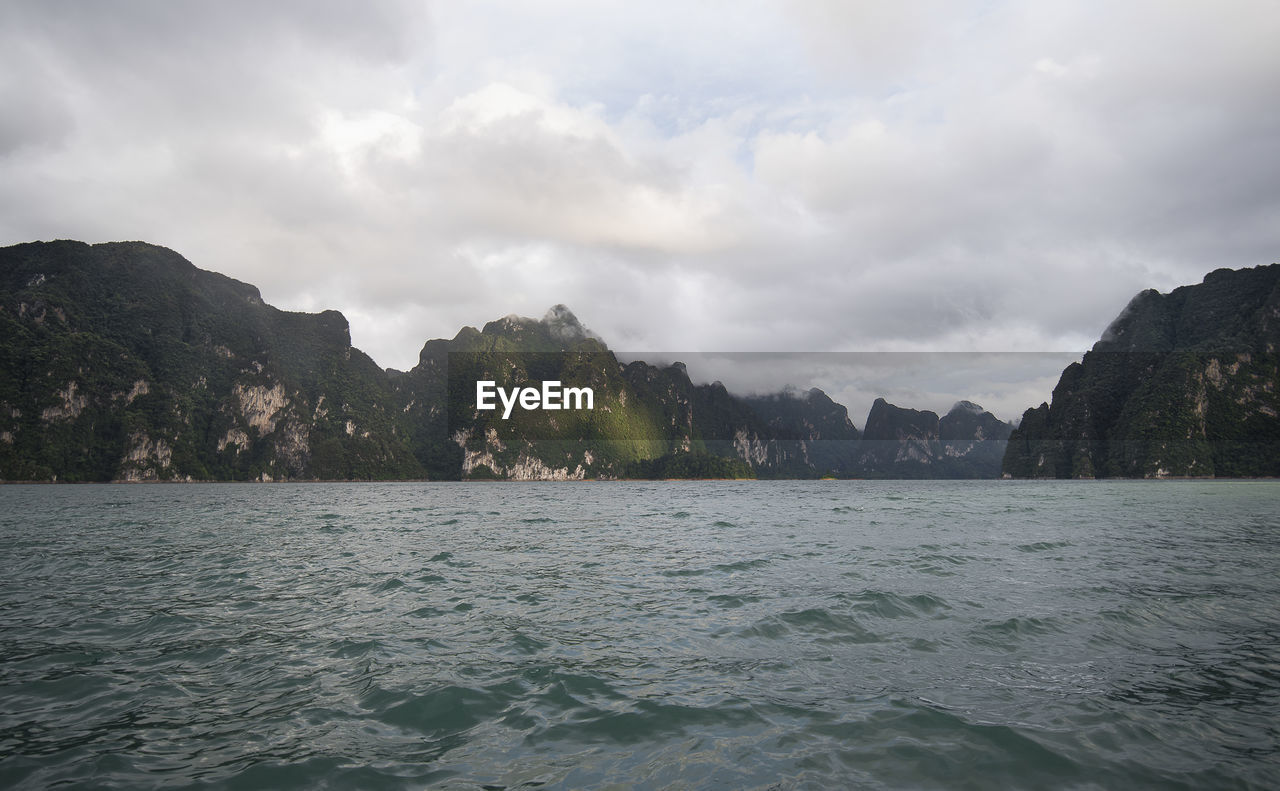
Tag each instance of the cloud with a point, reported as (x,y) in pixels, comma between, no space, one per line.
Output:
(779,176)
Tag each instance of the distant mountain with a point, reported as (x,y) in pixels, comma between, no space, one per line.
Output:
(819,429)
(1180,384)
(123,361)
(968,442)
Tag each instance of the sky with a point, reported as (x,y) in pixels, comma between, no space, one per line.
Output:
(816,176)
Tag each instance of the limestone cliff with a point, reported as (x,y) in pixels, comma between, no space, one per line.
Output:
(1180,384)
(968,442)
(123,361)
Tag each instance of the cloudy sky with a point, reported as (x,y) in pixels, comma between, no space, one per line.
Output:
(814,176)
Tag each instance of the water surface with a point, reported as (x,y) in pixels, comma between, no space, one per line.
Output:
(773,635)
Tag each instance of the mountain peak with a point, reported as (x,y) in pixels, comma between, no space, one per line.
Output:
(562,324)
(966,406)
(1179,384)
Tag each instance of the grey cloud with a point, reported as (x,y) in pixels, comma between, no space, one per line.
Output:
(781,176)
(35,117)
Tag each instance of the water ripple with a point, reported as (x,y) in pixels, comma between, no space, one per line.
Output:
(770,635)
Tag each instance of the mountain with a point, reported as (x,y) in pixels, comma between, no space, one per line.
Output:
(453,438)
(1180,384)
(647,421)
(818,428)
(968,442)
(652,421)
(123,361)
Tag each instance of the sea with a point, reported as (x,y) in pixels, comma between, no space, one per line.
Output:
(647,635)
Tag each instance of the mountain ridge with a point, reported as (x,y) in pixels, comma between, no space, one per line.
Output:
(124,361)
(1182,384)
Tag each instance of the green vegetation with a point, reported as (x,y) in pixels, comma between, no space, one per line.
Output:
(1183,384)
(689,466)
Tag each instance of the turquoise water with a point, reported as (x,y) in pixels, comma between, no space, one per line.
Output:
(773,635)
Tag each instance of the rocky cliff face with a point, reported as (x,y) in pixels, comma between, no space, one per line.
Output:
(1180,384)
(818,430)
(124,361)
(453,438)
(968,442)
